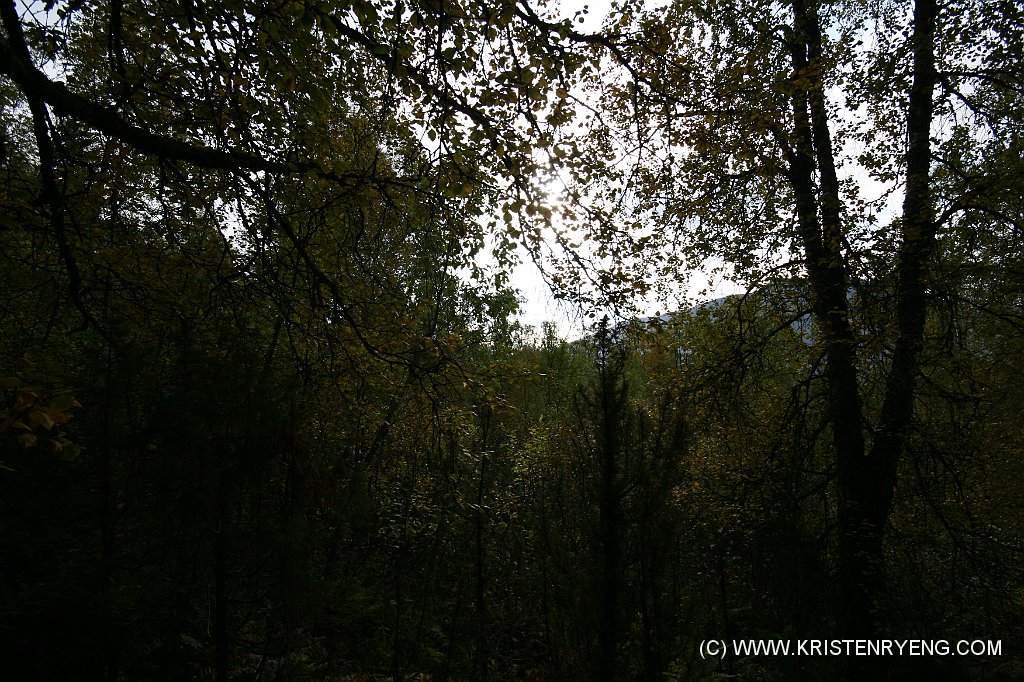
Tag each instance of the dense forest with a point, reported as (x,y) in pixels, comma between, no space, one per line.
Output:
(267,410)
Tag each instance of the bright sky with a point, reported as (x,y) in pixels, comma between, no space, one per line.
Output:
(539,306)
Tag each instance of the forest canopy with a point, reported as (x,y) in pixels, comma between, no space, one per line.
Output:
(268,412)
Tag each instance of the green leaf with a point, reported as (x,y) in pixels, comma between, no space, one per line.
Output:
(69,451)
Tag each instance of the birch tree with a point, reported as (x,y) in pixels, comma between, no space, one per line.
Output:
(840,143)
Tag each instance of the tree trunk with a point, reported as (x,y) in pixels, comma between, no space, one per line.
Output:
(220,599)
(612,402)
(866,479)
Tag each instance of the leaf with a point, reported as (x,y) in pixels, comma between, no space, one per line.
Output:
(69,451)
(24,399)
(63,402)
(41,418)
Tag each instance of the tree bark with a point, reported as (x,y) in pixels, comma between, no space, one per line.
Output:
(483,653)
(612,401)
(220,597)
(866,478)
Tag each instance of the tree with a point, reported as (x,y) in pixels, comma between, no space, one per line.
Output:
(225,227)
(255,90)
(737,121)
(235,233)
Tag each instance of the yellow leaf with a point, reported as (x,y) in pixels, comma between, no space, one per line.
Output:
(42,419)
